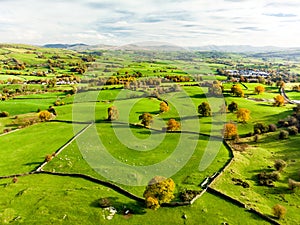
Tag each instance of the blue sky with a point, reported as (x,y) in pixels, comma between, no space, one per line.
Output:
(178,22)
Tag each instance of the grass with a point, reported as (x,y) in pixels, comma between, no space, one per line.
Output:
(258,158)
(25,154)
(131,155)
(73,200)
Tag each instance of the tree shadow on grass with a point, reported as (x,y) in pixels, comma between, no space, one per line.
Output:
(152,113)
(197,96)
(32,163)
(133,207)
(279,191)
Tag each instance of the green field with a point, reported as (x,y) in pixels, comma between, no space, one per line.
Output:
(127,154)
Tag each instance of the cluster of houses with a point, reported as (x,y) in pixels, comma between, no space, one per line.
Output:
(247,73)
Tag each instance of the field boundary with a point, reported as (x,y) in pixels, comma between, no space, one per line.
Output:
(58,151)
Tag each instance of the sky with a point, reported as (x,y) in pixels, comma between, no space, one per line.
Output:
(177,22)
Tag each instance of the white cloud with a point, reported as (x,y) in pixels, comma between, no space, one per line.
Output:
(189,22)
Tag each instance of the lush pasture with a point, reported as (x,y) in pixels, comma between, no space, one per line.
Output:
(258,158)
(131,155)
(25,149)
(22,106)
(45,199)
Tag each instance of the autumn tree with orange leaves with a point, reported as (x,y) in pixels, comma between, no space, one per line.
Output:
(230,131)
(173,125)
(259,89)
(243,115)
(164,107)
(279,100)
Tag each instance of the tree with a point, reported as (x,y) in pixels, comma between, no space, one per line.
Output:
(279,165)
(243,115)
(52,110)
(152,203)
(216,89)
(4,114)
(204,109)
(232,107)
(293,184)
(280,84)
(146,119)
(173,125)
(293,130)
(230,131)
(260,128)
(259,89)
(279,211)
(279,100)
(159,190)
(272,128)
(237,90)
(164,107)
(283,134)
(113,113)
(45,115)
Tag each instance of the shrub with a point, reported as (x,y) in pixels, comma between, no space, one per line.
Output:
(233,106)
(52,110)
(293,184)
(293,130)
(104,202)
(48,158)
(283,134)
(279,211)
(4,114)
(280,165)
(204,109)
(272,128)
(188,195)
(267,179)
(260,128)
(15,180)
(45,115)
(113,113)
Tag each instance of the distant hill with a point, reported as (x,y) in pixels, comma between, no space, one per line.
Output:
(264,51)
(238,48)
(65,46)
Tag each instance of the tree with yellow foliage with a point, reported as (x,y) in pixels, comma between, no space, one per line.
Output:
(279,211)
(45,115)
(173,125)
(146,119)
(230,131)
(159,190)
(279,100)
(243,115)
(152,203)
(164,107)
(237,90)
(259,89)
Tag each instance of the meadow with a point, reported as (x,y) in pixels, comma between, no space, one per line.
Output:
(128,154)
